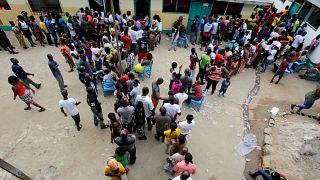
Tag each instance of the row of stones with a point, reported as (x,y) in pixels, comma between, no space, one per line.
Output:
(267,144)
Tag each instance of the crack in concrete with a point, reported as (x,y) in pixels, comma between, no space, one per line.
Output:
(251,95)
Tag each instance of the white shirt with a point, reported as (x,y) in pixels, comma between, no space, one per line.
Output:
(140,32)
(273,35)
(273,52)
(215,28)
(297,40)
(172,109)
(178,178)
(69,105)
(181,97)
(135,92)
(276,43)
(110,18)
(133,36)
(147,104)
(207,27)
(95,54)
(185,127)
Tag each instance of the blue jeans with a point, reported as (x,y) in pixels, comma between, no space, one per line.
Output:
(307,104)
(262,173)
(193,37)
(265,64)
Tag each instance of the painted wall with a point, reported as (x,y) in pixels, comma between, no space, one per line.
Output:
(247,10)
(126,5)
(71,6)
(167,18)
(281,5)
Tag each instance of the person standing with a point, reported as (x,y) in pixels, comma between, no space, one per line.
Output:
(204,62)
(22,90)
(70,105)
(126,112)
(172,109)
(136,90)
(186,80)
(155,96)
(309,100)
(5,43)
(214,75)
(36,31)
(127,142)
(53,65)
(193,62)
(298,42)
(143,47)
(171,136)
(147,105)
(45,30)
(21,74)
(96,109)
(162,123)
(23,25)
(185,164)
(51,27)
(193,28)
(18,33)
(186,125)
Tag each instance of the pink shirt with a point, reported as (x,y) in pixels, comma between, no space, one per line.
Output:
(175,87)
(181,166)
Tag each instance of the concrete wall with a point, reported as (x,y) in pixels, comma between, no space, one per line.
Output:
(126,5)
(167,18)
(281,5)
(247,10)
(71,6)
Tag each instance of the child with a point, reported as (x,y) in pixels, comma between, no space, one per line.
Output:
(281,70)
(173,72)
(224,86)
(139,118)
(193,61)
(130,60)
(176,84)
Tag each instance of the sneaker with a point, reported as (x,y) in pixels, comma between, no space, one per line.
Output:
(80,126)
(42,109)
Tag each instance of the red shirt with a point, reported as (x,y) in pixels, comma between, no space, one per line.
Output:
(271,18)
(126,41)
(283,66)
(124,78)
(219,57)
(198,91)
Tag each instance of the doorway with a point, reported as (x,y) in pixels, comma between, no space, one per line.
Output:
(98,5)
(198,8)
(142,8)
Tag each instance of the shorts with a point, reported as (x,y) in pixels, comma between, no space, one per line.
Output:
(142,55)
(155,102)
(27,97)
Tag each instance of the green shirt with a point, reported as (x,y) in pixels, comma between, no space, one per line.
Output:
(204,61)
(124,160)
(295,25)
(311,96)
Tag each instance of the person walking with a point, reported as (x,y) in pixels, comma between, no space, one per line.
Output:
(53,65)
(309,100)
(70,105)
(95,106)
(21,74)
(22,90)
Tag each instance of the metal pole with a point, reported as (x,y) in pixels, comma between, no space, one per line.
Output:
(116,32)
(13,170)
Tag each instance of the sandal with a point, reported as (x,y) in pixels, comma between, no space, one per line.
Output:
(42,109)
(27,108)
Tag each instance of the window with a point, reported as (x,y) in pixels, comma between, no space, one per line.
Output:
(311,14)
(181,6)
(48,5)
(4,5)
(226,8)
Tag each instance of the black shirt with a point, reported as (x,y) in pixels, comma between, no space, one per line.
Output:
(143,45)
(93,102)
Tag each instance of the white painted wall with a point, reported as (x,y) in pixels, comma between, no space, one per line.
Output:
(281,5)
(156,5)
(315,55)
(126,4)
(247,9)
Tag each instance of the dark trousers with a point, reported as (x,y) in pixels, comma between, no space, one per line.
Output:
(262,173)
(55,37)
(158,135)
(132,153)
(98,64)
(48,38)
(149,122)
(222,91)
(76,119)
(201,74)
(213,83)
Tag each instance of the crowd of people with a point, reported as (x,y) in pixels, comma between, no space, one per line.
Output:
(103,48)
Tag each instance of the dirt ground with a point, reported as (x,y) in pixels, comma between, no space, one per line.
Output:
(47,146)
(289,131)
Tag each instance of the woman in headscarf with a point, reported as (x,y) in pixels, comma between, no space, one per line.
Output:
(115,170)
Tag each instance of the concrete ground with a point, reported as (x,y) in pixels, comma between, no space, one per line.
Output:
(47,146)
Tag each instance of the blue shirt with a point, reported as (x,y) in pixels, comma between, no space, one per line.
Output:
(19,72)
(53,65)
(50,26)
(225,84)
(201,22)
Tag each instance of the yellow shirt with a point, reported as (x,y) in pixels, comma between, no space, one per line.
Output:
(139,68)
(174,135)
(122,171)
(43,27)
(275,21)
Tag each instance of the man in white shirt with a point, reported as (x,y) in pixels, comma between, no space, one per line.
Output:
(147,105)
(298,39)
(214,31)
(135,92)
(181,96)
(134,38)
(272,52)
(185,175)
(172,109)
(70,105)
(186,125)
(96,53)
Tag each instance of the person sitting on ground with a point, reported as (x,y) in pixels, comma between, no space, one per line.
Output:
(172,160)
(185,164)
(310,73)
